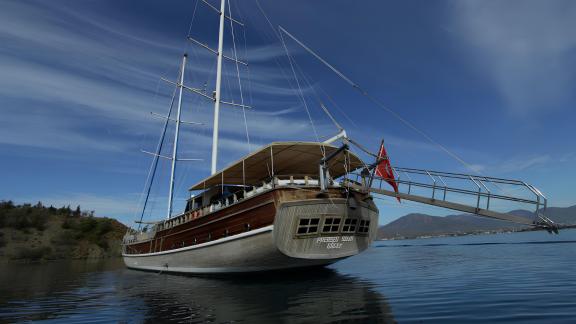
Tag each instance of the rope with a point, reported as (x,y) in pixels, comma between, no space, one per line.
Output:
(301,93)
(193,17)
(338,107)
(238,74)
(152,171)
(238,9)
(301,97)
(154,166)
(275,37)
(307,80)
(248,68)
(376,101)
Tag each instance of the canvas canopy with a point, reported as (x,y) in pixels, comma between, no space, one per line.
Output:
(296,159)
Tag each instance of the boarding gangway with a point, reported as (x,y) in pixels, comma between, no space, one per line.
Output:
(474,194)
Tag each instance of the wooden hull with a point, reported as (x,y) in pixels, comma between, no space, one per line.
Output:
(249,252)
(271,242)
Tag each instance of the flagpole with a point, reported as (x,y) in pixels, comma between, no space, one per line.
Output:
(377,163)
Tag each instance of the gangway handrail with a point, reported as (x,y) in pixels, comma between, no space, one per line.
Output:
(479,182)
(455,190)
(540,198)
(459,175)
(462,191)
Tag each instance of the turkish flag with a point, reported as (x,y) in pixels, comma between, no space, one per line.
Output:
(384,169)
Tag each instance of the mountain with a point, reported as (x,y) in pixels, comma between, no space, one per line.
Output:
(418,225)
(565,216)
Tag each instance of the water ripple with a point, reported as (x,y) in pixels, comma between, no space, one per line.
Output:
(526,278)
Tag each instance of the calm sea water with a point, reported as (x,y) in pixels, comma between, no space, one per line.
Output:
(521,277)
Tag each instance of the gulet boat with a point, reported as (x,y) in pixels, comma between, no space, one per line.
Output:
(291,204)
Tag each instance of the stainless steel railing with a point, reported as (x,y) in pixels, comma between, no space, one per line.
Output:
(439,188)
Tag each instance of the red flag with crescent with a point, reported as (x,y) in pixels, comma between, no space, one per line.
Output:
(384,169)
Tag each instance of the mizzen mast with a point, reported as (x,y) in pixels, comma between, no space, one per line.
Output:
(176,133)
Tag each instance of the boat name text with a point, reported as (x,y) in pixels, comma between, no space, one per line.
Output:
(333,241)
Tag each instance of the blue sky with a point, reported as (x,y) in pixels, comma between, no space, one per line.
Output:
(492,81)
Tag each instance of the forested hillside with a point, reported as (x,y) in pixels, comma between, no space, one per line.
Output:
(37,232)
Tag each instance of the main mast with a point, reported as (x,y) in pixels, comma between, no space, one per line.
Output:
(218,85)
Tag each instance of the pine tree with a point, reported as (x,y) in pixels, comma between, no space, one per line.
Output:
(7,204)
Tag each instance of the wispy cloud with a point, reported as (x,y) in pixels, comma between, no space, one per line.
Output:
(110,79)
(568,157)
(526,48)
(514,164)
(52,134)
(266,53)
(521,164)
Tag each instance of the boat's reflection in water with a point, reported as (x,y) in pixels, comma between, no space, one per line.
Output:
(314,295)
(107,292)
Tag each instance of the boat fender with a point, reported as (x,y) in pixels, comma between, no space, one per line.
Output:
(322,195)
(352,203)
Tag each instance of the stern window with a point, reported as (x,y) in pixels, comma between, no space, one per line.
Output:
(364,226)
(308,226)
(331,225)
(349,225)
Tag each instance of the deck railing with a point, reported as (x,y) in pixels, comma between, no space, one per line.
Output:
(276,181)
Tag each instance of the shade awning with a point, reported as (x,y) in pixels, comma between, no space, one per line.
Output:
(282,159)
